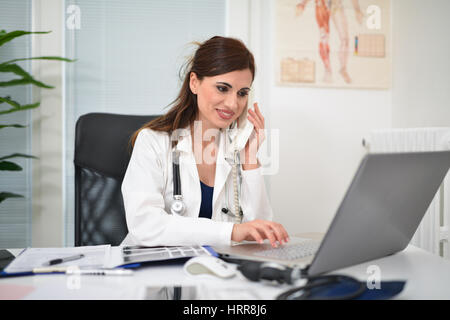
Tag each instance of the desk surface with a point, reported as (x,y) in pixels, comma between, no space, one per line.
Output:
(427,276)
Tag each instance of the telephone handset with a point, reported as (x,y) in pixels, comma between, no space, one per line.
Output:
(240,131)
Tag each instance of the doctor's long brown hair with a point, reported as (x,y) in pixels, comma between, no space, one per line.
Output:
(215,56)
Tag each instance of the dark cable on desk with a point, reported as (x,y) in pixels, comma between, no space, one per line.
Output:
(270,271)
(327,287)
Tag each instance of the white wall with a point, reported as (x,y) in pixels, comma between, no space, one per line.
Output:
(320,136)
(421,68)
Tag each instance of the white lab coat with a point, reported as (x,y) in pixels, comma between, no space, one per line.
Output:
(147,191)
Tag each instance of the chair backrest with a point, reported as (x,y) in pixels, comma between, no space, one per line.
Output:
(102,153)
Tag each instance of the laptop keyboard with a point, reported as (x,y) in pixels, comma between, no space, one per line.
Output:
(295,251)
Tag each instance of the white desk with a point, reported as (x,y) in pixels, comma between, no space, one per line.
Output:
(427,275)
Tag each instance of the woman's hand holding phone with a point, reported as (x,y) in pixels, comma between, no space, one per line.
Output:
(256,138)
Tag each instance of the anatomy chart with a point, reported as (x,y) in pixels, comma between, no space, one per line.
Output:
(333,43)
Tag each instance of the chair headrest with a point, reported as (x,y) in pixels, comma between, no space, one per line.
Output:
(102,141)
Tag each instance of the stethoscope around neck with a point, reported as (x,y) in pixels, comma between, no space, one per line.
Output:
(178,206)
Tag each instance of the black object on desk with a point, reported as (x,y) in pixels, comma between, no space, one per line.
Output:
(5,258)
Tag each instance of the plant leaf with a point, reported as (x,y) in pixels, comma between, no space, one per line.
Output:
(22,108)
(7,97)
(26,77)
(8,100)
(14,68)
(39,58)
(12,126)
(24,81)
(20,155)
(6,195)
(9,166)
(17,106)
(8,36)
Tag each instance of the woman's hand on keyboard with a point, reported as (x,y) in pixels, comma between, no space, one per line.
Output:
(258,230)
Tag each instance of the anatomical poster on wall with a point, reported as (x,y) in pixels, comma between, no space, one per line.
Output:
(333,43)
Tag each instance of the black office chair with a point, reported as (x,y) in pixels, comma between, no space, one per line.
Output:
(102,153)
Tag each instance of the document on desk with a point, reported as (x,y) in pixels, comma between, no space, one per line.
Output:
(31,258)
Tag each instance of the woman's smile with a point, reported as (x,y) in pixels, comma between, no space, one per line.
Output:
(225,114)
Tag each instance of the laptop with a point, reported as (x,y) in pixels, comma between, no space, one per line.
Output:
(378,215)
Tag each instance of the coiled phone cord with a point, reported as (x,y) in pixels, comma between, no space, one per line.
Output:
(237,211)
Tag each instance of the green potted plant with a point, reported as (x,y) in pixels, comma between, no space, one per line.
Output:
(9,105)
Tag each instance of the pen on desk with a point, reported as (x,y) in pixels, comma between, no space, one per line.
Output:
(65,259)
(100,272)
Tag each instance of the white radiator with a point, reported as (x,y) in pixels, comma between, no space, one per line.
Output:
(433,231)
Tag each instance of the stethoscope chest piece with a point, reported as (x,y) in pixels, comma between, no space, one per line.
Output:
(178,206)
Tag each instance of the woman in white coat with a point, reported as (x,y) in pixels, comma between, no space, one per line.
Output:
(213,95)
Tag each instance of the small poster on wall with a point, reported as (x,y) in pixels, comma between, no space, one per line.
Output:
(333,43)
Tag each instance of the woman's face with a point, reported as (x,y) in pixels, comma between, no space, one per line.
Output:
(221,99)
